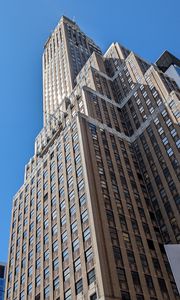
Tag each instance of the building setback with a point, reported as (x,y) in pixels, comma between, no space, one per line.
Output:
(100,197)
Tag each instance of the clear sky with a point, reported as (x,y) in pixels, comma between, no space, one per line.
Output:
(146,27)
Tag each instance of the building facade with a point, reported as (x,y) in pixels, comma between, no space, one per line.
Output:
(2,280)
(100,197)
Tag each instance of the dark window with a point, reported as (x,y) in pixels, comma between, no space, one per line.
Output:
(79,286)
(125,296)
(91,276)
(93,297)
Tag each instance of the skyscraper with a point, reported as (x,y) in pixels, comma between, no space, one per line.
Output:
(2,280)
(101,194)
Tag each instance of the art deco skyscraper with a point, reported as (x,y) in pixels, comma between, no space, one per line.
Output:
(101,194)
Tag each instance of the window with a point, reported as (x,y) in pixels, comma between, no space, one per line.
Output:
(71,196)
(38,280)
(65,255)
(54,230)
(86,234)
(25,221)
(46,210)
(46,239)
(30,256)
(70,182)
(56,283)
(46,292)
(82,200)
(16,286)
(66,274)
(31,239)
(53,201)
(30,271)
(125,296)
(46,254)
(22,278)
(16,270)
(77,264)
(38,232)
(64,237)
(79,172)
(63,220)
(54,215)
(69,169)
(79,286)
(80,185)
(61,179)
(74,227)
(68,157)
(38,247)
(25,234)
(24,248)
(46,224)
(91,276)
(84,216)
(9,293)
(89,254)
(93,297)
(72,210)
(46,273)
(75,245)
(77,159)
(32,213)
(23,263)
(56,264)
(29,289)
(38,218)
(62,205)
(55,246)
(38,263)
(67,295)
(31,226)
(149,282)
(22,297)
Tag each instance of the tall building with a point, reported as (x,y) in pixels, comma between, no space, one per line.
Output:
(100,197)
(2,280)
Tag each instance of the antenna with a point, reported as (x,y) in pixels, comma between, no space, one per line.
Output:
(74,18)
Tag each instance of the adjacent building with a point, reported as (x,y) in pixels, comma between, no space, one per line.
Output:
(100,197)
(2,280)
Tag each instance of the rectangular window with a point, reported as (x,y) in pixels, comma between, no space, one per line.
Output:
(67,295)
(46,273)
(54,230)
(82,200)
(46,254)
(46,292)
(56,264)
(56,283)
(64,237)
(66,274)
(84,216)
(65,255)
(79,286)
(38,280)
(89,254)
(74,227)
(55,246)
(29,289)
(63,220)
(91,276)
(75,245)
(77,264)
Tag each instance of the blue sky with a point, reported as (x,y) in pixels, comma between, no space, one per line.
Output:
(146,27)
